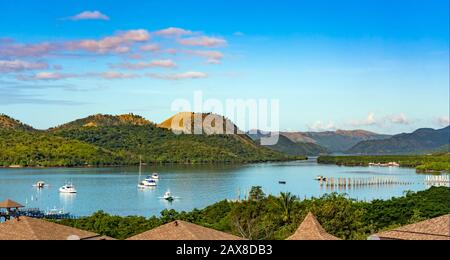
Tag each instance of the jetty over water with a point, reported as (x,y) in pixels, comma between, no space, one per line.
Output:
(349,183)
(10,209)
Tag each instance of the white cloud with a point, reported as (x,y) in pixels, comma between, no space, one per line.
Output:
(368,121)
(19,65)
(50,76)
(89,15)
(399,119)
(203,41)
(11,49)
(173,31)
(443,121)
(115,75)
(179,76)
(119,43)
(47,76)
(150,47)
(321,126)
(213,57)
(385,121)
(145,65)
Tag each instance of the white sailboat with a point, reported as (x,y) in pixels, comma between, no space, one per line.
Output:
(147,182)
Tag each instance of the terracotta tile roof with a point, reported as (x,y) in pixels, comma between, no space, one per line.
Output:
(10,204)
(25,228)
(432,229)
(310,229)
(181,230)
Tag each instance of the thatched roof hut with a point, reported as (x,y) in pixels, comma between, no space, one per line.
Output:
(310,229)
(26,228)
(432,229)
(181,230)
(9,204)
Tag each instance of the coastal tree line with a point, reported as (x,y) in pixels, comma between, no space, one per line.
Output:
(438,162)
(262,217)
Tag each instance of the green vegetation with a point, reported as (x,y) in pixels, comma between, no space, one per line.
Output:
(163,146)
(104,140)
(278,217)
(32,149)
(423,163)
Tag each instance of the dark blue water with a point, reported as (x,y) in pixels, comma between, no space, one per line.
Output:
(115,191)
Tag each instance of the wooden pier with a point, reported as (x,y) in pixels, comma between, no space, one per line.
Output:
(437,180)
(349,183)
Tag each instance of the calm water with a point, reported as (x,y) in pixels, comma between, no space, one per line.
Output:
(114,190)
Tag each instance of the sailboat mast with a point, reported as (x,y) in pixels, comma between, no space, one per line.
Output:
(140,167)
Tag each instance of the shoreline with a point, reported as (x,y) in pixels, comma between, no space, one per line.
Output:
(150,164)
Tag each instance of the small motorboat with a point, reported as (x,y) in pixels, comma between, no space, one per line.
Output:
(282,182)
(321,178)
(155,176)
(40,185)
(168,196)
(68,188)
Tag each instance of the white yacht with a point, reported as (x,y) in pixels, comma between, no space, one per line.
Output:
(68,188)
(149,183)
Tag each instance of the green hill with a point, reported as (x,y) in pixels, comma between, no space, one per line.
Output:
(158,144)
(105,120)
(8,123)
(25,148)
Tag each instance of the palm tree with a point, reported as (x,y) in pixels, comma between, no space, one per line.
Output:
(286,202)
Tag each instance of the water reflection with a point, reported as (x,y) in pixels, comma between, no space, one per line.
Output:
(67,199)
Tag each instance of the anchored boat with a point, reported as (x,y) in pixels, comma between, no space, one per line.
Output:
(68,188)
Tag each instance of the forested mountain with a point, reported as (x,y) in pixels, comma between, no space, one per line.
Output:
(421,141)
(342,140)
(120,140)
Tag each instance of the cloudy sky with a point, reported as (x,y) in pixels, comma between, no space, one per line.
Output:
(376,64)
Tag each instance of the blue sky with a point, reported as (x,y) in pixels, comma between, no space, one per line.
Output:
(375,65)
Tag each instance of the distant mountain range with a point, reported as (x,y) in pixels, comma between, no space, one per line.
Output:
(315,143)
(341,140)
(290,146)
(425,140)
